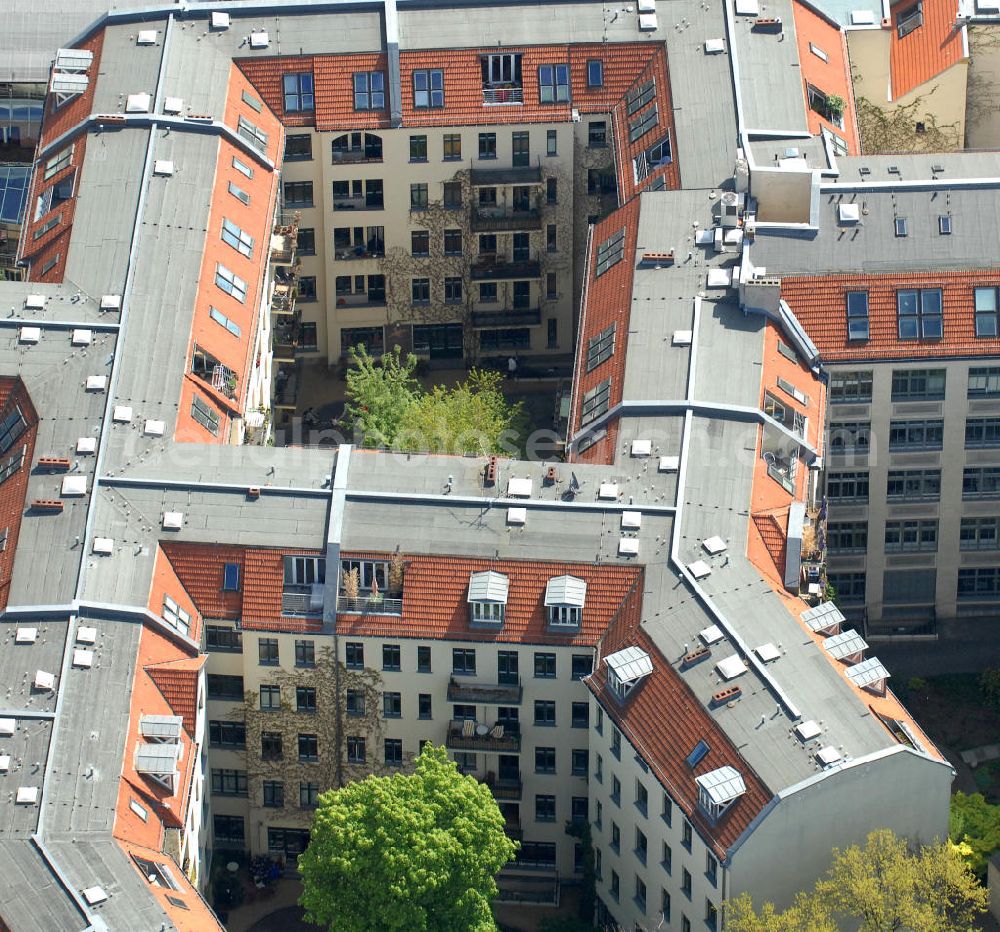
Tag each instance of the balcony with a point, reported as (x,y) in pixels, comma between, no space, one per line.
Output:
(302,600)
(503,94)
(369,605)
(360,300)
(358,252)
(480,737)
(359,202)
(283,299)
(515,174)
(506,789)
(493,268)
(490,693)
(498,219)
(527,317)
(355,156)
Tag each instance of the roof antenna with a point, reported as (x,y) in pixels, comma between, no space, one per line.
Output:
(449,484)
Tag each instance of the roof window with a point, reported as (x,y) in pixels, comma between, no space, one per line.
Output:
(487,597)
(697,753)
(719,789)
(626,669)
(857,315)
(564,598)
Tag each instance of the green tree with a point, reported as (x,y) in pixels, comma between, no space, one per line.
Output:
(975,822)
(882,887)
(387,407)
(408,852)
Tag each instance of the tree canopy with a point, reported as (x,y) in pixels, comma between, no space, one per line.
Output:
(388,407)
(881,887)
(976,823)
(408,852)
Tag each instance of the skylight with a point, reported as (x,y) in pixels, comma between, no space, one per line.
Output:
(696,755)
(610,252)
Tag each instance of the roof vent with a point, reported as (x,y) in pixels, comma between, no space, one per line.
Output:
(711,635)
(27,795)
(626,669)
(862,18)
(103,546)
(86,445)
(628,546)
(44,681)
(682,338)
(30,334)
(714,46)
(7,727)
(85,635)
(173,520)
(767,652)
(608,491)
(111,302)
(699,569)
(34,302)
(137,103)
(83,658)
(849,213)
(163,167)
(173,105)
(122,414)
(4,763)
(517,516)
(154,428)
(82,337)
(26,636)
(518,487)
(714,545)
(828,756)
(146,37)
(220,20)
(94,895)
(642,447)
(74,485)
(631,520)
(731,667)
(259,40)
(808,730)
(719,789)
(669,463)
(97,383)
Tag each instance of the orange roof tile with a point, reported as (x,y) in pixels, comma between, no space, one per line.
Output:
(832,76)
(58,119)
(262,587)
(200,568)
(665,740)
(435,591)
(819,302)
(928,50)
(166,583)
(177,680)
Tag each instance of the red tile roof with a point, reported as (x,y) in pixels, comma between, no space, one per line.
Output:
(665,740)
(771,530)
(177,680)
(819,302)
(928,50)
(435,591)
(200,569)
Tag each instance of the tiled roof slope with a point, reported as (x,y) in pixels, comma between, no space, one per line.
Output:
(200,569)
(435,591)
(928,50)
(14,489)
(819,302)
(608,301)
(832,76)
(177,680)
(664,720)
(167,584)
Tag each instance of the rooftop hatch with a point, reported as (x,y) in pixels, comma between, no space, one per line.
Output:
(626,668)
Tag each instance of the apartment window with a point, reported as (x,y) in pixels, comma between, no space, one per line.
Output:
(452,195)
(982,432)
(453,243)
(308,748)
(581,715)
(857,315)
(818,52)
(711,915)
(551,290)
(418,196)
(229,782)
(236,191)
(981,482)
(232,735)
(545,760)
(305,698)
(252,134)
(981,583)
(452,147)
(428,88)
(908,19)
(393,752)
(356,752)
(641,845)
(687,836)
(918,384)
(354,655)
(553,84)
(916,435)
(463,661)
(642,124)
(305,244)
(641,797)
(944,224)
(520,155)
(298,147)
(392,705)
(987,311)
(615,885)
(424,705)
(274,794)
(552,197)
(420,290)
(423,658)
(667,810)
(984,382)
(355,701)
(369,90)
(298,92)
(228,831)
(595,73)
(551,238)
(305,653)
(205,415)
(616,790)
(420,243)
(580,760)
(979,534)
(453,290)
(58,162)
(849,587)
(462,712)
(242,167)
(219,686)
(597,134)
(298,194)
(665,905)
(914,484)
(686,882)
(616,837)
(488,293)
(270,698)
(545,666)
(230,283)
(418,148)
(545,712)
(233,236)
(487,145)
(847,486)
(919,314)
(545,808)
(911,536)
(616,743)
(391,657)
(847,536)
(551,145)
(308,795)
(685,924)
(267,652)
(270,745)
(851,387)
(667,858)
(599,769)
(221,638)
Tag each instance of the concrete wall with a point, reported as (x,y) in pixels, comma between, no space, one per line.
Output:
(983,103)
(792,845)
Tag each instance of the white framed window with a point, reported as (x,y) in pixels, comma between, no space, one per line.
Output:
(242,167)
(240,240)
(224,321)
(58,162)
(175,616)
(230,283)
(487,612)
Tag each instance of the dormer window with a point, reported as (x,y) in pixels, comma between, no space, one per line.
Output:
(487,598)
(626,668)
(718,790)
(564,598)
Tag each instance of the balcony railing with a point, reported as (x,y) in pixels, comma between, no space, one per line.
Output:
(528,317)
(359,202)
(283,299)
(481,737)
(300,601)
(370,605)
(486,219)
(503,94)
(491,693)
(359,252)
(353,156)
(359,300)
(506,789)
(492,267)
